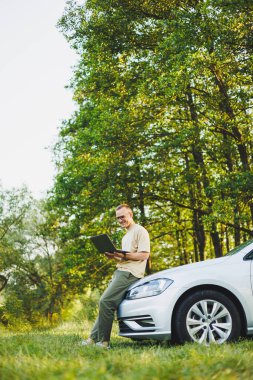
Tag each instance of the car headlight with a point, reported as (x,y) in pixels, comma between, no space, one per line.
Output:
(149,289)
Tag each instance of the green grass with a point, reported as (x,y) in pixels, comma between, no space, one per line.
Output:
(57,354)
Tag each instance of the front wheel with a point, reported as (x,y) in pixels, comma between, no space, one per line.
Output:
(206,317)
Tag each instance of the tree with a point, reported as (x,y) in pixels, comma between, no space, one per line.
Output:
(31,259)
(164,94)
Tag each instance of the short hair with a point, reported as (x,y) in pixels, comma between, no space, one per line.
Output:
(124,205)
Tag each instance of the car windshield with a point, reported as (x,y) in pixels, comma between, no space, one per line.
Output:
(239,247)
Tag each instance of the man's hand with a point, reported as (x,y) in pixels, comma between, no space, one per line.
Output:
(115,256)
(119,255)
(109,255)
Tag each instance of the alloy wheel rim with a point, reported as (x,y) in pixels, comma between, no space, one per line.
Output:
(209,321)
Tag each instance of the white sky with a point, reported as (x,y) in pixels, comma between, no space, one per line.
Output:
(36,63)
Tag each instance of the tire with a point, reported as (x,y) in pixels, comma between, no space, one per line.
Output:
(205,317)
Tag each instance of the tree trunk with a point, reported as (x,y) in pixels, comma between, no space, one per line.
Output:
(216,241)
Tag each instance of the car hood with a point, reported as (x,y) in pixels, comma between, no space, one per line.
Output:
(183,268)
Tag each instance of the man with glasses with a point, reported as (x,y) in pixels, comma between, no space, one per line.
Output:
(130,268)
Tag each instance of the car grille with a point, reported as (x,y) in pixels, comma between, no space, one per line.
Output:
(143,323)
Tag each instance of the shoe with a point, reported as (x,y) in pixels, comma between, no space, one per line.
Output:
(87,342)
(104,345)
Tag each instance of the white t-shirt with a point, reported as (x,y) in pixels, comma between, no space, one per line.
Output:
(135,240)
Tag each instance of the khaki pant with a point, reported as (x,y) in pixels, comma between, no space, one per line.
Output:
(109,302)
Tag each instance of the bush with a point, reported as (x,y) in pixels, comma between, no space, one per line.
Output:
(83,307)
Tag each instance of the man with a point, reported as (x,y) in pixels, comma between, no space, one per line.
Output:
(130,268)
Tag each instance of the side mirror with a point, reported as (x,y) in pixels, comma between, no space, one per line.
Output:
(3,282)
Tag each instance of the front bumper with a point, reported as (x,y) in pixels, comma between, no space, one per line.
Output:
(148,318)
(142,327)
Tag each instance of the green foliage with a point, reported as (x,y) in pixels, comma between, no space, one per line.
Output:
(164,95)
(31,258)
(82,308)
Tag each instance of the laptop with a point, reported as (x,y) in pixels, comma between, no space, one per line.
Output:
(104,244)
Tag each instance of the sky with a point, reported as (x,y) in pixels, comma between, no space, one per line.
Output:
(35,66)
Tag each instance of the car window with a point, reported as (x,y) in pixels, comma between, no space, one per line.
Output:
(249,256)
(239,247)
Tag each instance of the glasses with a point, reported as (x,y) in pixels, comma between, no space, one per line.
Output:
(121,217)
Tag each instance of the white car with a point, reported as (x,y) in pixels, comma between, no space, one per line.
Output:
(205,302)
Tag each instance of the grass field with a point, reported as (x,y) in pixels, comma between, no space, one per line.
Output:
(57,354)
